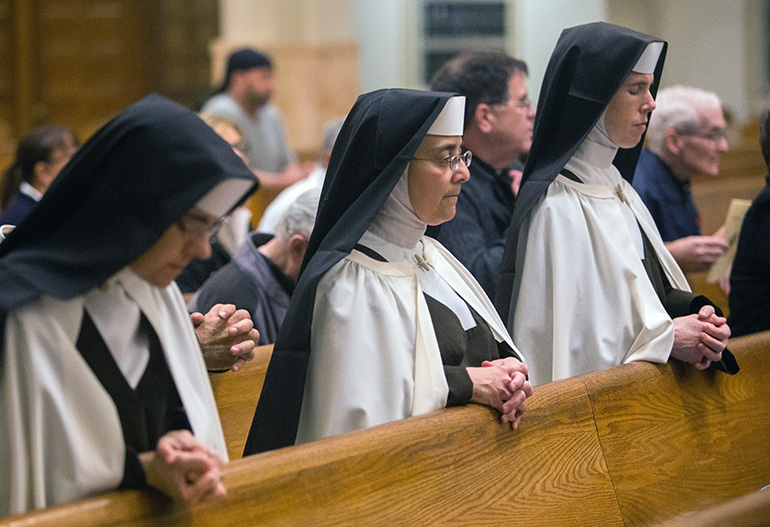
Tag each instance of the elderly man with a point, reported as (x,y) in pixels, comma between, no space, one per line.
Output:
(686,137)
(244,97)
(499,118)
(262,275)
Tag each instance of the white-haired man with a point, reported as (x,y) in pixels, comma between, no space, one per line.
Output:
(261,276)
(685,138)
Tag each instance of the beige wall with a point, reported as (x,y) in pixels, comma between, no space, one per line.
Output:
(316,59)
(714,44)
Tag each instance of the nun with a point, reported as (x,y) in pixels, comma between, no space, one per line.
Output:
(587,283)
(102,381)
(384,323)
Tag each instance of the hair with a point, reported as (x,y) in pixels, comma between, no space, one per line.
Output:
(482,76)
(242,60)
(678,107)
(218,122)
(331,131)
(764,134)
(299,218)
(37,146)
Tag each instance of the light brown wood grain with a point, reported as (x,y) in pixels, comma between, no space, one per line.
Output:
(454,467)
(677,439)
(634,445)
(752,510)
(237,394)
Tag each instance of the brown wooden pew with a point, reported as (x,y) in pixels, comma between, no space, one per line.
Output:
(634,445)
(752,510)
(676,439)
(237,395)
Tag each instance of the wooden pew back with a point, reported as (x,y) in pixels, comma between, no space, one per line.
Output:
(677,439)
(629,446)
(237,395)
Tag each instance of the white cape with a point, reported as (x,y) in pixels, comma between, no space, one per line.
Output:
(582,300)
(60,435)
(374,354)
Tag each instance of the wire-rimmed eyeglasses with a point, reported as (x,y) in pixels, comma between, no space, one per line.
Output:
(453,163)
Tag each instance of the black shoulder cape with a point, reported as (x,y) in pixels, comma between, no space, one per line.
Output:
(376,142)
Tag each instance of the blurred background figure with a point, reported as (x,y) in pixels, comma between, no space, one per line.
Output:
(233,230)
(262,275)
(244,97)
(499,118)
(750,276)
(40,157)
(685,139)
(289,195)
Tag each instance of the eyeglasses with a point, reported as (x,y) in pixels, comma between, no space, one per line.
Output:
(714,135)
(453,162)
(520,103)
(195,227)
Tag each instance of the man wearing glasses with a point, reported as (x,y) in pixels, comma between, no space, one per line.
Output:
(499,119)
(685,138)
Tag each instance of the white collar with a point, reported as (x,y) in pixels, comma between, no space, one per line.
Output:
(28,190)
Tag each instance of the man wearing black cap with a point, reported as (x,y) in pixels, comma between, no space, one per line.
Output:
(245,98)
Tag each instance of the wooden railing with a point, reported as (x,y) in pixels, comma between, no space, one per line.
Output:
(634,445)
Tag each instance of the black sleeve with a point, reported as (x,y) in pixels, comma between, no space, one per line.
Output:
(133,472)
(460,385)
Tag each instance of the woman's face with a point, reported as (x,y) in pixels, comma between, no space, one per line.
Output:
(46,171)
(433,185)
(628,111)
(186,239)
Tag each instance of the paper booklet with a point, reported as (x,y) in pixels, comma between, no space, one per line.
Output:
(732,226)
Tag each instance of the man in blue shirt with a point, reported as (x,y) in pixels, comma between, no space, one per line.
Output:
(685,138)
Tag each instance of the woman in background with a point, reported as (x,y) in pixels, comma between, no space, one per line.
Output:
(40,157)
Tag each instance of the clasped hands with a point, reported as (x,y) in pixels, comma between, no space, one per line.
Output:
(700,338)
(227,337)
(502,384)
(184,468)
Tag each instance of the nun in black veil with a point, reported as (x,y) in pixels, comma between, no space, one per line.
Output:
(587,283)
(102,381)
(385,323)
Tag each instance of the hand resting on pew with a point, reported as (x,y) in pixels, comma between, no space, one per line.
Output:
(184,468)
(700,338)
(227,337)
(502,384)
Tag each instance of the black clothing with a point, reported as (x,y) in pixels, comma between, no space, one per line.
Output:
(146,412)
(198,271)
(750,277)
(115,198)
(476,235)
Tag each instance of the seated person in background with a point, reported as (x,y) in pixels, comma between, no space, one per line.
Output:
(39,158)
(750,276)
(498,130)
(686,137)
(245,97)
(384,323)
(229,236)
(262,275)
(102,382)
(314,181)
(589,283)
